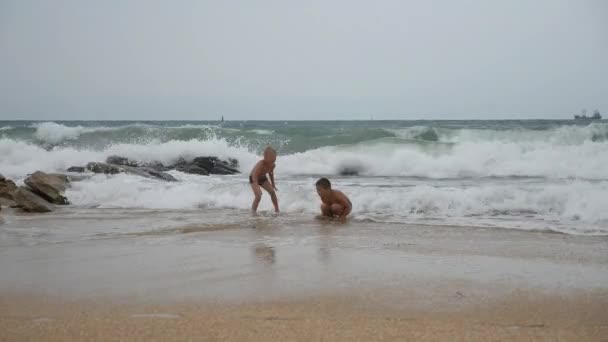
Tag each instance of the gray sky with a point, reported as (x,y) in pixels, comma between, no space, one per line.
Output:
(314,59)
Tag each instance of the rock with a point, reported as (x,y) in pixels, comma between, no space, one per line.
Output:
(118,160)
(180,161)
(193,169)
(223,169)
(31,202)
(213,165)
(207,163)
(79,169)
(352,168)
(234,163)
(156,165)
(346,171)
(147,172)
(103,168)
(7,189)
(7,203)
(49,187)
(158,174)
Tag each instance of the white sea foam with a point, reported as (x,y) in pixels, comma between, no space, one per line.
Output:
(468,159)
(571,164)
(576,207)
(54,133)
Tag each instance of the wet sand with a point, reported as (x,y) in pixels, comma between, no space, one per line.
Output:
(287,278)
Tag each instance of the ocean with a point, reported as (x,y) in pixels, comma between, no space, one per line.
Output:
(530,175)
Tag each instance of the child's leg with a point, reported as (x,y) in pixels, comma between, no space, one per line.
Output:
(257,193)
(273,195)
(326,210)
(337,209)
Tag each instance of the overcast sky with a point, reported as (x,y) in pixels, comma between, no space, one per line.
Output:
(313,59)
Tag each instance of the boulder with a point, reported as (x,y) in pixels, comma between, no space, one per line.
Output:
(156,165)
(222,168)
(118,160)
(78,169)
(234,163)
(193,169)
(157,174)
(213,165)
(178,162)
(7,190)
(348,171)
(31,202)
(207,163)
(103,168)
(50,187)
(7,203)
(351,168)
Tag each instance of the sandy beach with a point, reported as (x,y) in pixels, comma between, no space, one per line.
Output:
(520,316)
(290,278)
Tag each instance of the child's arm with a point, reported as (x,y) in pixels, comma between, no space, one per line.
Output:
(271,174)
(345,203)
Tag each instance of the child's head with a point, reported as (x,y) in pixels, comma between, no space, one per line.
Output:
(270,155)
(323,186)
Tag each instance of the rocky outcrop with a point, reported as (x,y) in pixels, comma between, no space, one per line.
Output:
(107,169)
(49,186)
(203,166)
(214,165)
(145,171)
(192,169)
(78,169)
(118,160)
(352,168)
(7,192)
(30,202)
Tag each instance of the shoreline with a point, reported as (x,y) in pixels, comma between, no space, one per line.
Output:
(146,275)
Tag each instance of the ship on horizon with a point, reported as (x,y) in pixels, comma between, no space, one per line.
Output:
(596,115)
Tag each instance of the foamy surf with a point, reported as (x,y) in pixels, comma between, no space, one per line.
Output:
(545,176)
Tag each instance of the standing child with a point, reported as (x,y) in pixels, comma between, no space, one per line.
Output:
(334,202)
(258,179)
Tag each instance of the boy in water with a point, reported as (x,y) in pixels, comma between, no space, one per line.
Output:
(335,203)
(258,179)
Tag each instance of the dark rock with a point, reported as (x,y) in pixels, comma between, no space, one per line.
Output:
(213,165)
(349,172)
(233,163)
(158,174)
(49,187)
(193,169)
(207,163)
(178,162)
(79,169)
(223,169)
(7,189)
(7,203)
(103,168)
(139,171)
(156,165)
(350,169)
(31,202)
(118,160)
